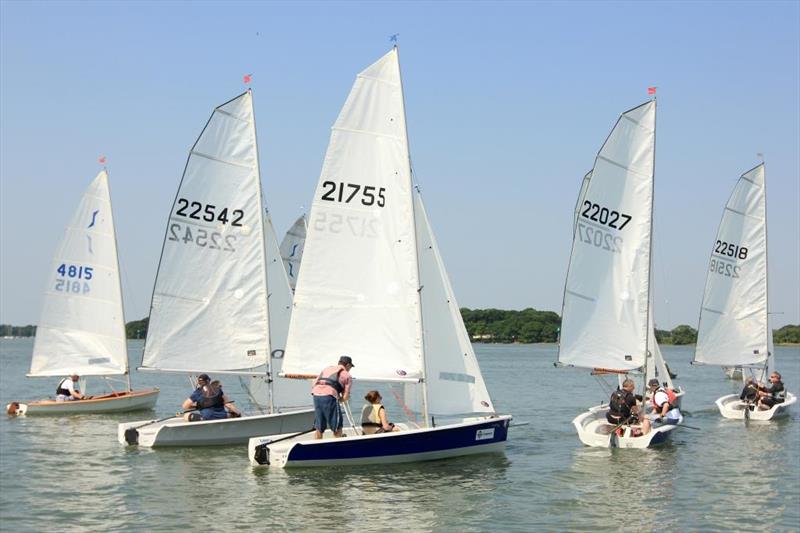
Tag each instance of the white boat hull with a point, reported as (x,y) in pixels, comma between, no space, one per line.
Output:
(176,431)
(730,406)
(116,402)
(595,431)
(475,436)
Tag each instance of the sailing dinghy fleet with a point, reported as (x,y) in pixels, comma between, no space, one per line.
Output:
(229,300)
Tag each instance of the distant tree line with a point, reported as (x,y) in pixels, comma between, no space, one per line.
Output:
(487,325)
(497,325)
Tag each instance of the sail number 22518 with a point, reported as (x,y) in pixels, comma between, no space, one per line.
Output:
(347,192)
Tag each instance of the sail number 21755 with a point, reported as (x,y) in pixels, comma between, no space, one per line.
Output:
(347,192)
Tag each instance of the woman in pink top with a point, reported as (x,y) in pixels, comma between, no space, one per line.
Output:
(332,385)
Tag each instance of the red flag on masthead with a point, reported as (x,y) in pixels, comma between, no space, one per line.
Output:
(651,90)
(247,78)
(101,160)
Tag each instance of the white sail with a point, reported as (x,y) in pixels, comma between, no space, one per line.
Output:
(82,325)
(454,380)
(733,327)
(605,321)
(285,392)
(357,291)
(292,249)
(209,306)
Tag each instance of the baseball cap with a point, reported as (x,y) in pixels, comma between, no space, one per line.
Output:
(346,360)
(653,383)
(203,377)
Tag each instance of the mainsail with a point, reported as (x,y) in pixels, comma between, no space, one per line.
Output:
(734,327)
(605,317)
(357,294)
(209,307)
(292,250)
(82,325)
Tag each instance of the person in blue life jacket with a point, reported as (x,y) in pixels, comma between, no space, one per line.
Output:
(208,402)
(67,389)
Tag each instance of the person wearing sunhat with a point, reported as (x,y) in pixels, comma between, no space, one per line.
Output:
(67,389)
(208,402)
(664,402)
(331,387)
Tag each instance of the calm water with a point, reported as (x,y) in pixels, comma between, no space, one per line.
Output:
(72,472)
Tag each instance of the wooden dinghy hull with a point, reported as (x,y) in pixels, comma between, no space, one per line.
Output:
(115,402)
(476,436)
(730,406)
(176,431)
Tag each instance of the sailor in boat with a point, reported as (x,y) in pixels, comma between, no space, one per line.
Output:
(775,393)
(331,387)
(623,409)
(67,389)
(663,401)
(373,415)
(749,392)
(209,402)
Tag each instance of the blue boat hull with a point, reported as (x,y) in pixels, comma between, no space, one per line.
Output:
(466,438)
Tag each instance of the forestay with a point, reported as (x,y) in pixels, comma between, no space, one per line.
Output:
(454,381)
(733,326)
(292,250)
(357,291)
(605,315)
(209,306)
(82,326)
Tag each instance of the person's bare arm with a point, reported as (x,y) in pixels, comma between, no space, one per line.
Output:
(188,404)
(384,420)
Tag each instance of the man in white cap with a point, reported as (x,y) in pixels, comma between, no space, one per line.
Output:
(331,387)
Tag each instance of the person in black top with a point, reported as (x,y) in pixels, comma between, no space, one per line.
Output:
(622,408)
(775,393)
(750,391)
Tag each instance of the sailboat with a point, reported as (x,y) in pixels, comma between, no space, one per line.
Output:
(607,317)
(209,310)
(734,321)
(373,286)
(82,325)
(292,249)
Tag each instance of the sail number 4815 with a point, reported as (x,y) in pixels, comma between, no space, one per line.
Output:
(76,273)
(347,192)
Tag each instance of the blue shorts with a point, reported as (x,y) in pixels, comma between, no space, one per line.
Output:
(327,414)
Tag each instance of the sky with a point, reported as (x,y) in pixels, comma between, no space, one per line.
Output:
(507,105)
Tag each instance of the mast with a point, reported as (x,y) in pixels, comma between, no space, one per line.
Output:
(261,212)
(119,281)
(766,274)
(650,254)
(416,253)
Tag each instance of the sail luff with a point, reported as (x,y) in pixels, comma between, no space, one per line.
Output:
(119,282)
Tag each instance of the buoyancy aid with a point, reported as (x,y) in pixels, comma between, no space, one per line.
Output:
(371,415)
(211,401)
(671,397)
(618,407)
(63,391)
(780,394)
(331,380)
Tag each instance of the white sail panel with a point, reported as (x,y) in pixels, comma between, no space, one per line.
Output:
(357,290)
(454,380)
(605,314)
(733,327)
(209,306)
(292,250)
(82,327)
